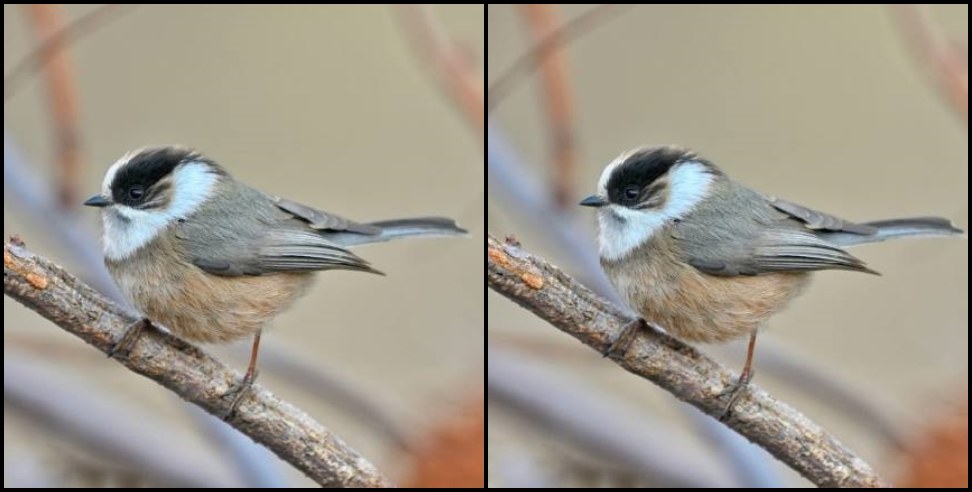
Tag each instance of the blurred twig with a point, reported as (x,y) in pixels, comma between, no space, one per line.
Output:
(506,82)
(780,362)
(451,67)
(511,184)
(24,189)
(295,368)
(685,372)
(452,453)
(603,430)
(839,393)
(336,390)
(254,464)
(597,425)
(109,428)
(521,470)
(946,63)
(938,456)
(542,20)
(745,461)
(192,374)
(27,470)
(62,101)
(36,59)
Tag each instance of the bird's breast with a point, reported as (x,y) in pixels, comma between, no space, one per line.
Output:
(657,283)
(198,306)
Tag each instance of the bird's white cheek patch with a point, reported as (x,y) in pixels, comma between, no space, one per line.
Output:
(623,229)
(129,229)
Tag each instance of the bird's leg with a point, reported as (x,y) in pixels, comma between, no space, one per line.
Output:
(123,347)
(628,332)
(251,374)
(736,390)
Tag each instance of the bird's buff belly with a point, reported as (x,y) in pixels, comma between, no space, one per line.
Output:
(703,308)
(200,307)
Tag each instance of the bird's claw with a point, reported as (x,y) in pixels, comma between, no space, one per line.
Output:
(238,392)
(122,349)
(735,391)
(624,339)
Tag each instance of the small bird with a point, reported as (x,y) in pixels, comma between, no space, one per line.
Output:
(709,259)
(214,260)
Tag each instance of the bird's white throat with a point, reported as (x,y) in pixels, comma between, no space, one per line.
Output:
(127,229)
(622,230)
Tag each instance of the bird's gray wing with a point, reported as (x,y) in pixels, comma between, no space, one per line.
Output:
(816,220)
(756,239)
(324,221)
(792,250)
(774,251)
(246,233)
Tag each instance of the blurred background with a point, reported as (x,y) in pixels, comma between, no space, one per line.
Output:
(854,110)
(330,106)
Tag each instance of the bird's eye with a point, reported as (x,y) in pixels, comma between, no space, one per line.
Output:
(136,192)
(631,192)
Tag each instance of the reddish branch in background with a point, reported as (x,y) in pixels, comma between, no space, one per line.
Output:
(47,22)
(946,61)
(454,453)
(542,21)
(450,64)
(940,457)
(507,81)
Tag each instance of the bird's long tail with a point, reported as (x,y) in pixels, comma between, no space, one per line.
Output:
(399,228)
(895,228)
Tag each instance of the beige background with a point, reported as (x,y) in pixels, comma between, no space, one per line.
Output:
(327,106)
(820,105)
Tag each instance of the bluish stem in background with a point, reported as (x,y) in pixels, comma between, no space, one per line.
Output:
(255,465)
(599,425)
(108,428)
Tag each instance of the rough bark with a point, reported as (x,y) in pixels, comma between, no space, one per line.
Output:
(189,372)
(679,369)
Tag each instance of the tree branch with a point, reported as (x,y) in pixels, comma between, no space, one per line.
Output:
(531,59)
(189,372)
(947,66)
(595,422)
(62,101)
(35,60)
(681,370)
(106,427)
(453,69)
(542,19)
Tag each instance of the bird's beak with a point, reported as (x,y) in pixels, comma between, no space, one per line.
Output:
(594,201)
(97,201)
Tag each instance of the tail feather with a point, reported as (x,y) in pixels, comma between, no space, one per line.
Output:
(895,228)
(399,228)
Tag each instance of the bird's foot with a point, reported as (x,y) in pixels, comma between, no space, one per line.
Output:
(628,333)
(122,349)
(237,393)
(735,391)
